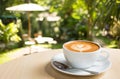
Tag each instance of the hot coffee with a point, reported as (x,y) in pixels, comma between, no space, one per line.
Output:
(81,46)
(88,53)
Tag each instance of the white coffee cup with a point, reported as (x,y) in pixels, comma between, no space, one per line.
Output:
(84,59)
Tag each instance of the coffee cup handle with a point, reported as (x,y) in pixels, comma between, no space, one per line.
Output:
(104,55)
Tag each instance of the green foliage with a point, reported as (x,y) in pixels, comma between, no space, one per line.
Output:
(7,3)
(79,18)
(8,33)
(115,29)
(72,14)
(78,14)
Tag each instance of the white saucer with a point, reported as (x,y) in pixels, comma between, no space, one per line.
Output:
(98,67)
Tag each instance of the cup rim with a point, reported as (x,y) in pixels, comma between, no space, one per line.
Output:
(82,52)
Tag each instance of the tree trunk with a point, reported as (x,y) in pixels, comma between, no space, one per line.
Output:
(89,29)
(90,21)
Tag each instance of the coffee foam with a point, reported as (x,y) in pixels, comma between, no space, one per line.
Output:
(81,46)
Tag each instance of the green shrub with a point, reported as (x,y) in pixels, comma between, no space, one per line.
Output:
(8,33)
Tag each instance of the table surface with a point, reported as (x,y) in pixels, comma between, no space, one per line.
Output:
(37,66)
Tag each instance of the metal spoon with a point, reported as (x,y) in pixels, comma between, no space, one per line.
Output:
(69,68)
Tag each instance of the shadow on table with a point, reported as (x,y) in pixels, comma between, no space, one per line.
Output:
(58,75)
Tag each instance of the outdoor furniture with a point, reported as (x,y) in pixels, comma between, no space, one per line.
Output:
(29,43)
(37,66)
(48,40)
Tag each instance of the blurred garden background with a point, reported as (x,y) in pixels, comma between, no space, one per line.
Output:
(63,20)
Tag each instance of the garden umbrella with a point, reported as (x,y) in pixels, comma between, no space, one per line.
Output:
(27,7)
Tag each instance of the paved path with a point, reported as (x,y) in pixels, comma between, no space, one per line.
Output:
(28,50)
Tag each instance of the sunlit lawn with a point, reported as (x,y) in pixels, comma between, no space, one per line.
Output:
(5,56)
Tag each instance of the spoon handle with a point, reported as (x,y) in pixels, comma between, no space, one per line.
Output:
(90,71)
(78,69)
(71,69)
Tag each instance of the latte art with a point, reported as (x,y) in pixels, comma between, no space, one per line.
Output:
(81,46)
